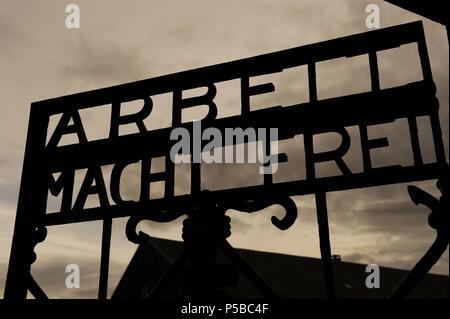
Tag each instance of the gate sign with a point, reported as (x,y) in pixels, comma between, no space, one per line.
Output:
(45,160)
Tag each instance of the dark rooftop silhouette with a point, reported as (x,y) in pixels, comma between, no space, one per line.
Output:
(289,276)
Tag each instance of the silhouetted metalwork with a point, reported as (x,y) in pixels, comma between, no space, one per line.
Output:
(438,220)
(436,10)
(207,227)
(432,9)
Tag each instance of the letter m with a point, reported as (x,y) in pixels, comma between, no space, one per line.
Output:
(63,183)
(238,137)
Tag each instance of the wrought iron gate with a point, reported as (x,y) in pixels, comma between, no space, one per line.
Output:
(207,226)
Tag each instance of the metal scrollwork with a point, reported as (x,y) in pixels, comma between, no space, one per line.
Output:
(438,220)
(250,206)
(39,234)
(140,237)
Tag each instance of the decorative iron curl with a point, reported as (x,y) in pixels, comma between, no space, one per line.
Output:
(38,236)
(251,206)
(141,237)
(439,221)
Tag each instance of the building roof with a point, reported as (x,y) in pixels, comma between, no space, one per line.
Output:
(289,276)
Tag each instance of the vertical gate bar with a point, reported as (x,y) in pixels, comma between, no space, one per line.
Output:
(32,202)
(268,178)
(321,200)
(170,177)
(312,83)
(308,137)
(424,57)
(196,182)
(104,263)
(374,73)
(245,97)
(437,138)
(415,143)
(325,247)
(16,286)
(434,117)
(195,178)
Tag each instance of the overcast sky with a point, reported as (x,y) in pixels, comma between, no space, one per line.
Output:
(123,41)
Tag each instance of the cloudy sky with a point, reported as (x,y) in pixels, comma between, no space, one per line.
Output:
(126,41)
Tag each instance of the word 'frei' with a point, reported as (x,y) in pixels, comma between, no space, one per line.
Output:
(256,140)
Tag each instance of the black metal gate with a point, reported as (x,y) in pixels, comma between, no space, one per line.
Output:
(207,226)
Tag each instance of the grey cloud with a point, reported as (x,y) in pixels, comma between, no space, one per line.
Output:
(183,32)
(8,192)
(239,223)
(388,201)
(103,62)
(51,276)
(10,36)
(391,251)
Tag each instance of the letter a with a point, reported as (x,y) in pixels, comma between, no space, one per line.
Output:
(373,279)
(73,19)
(373,19)
(73,279)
